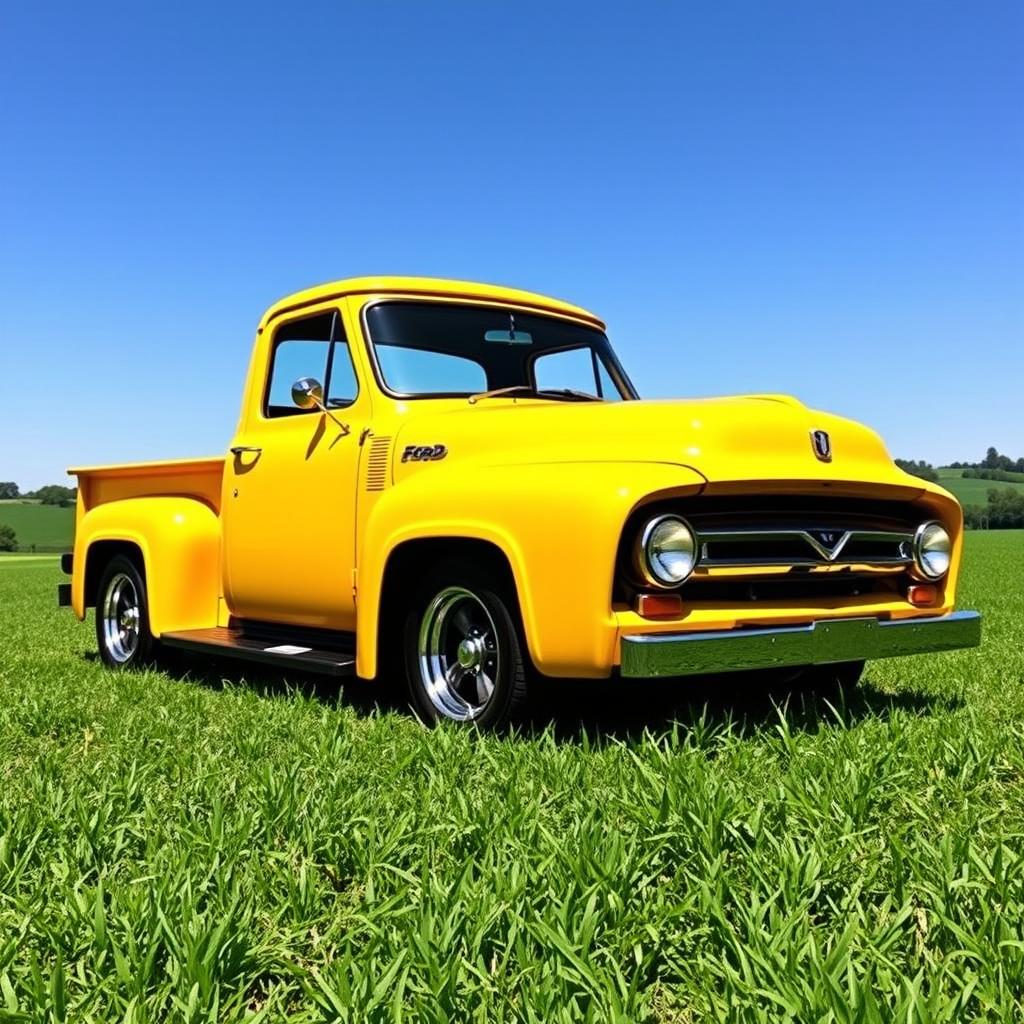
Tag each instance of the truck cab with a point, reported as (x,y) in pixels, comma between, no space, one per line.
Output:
(458,484)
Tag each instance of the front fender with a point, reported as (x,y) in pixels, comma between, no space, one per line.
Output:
(558,526)
(179,539)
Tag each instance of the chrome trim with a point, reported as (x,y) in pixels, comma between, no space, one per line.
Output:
(919,568)
(642,556)
(826,555)
(821,445)
(308,393)
(823,642)
(121,617)
(459,655)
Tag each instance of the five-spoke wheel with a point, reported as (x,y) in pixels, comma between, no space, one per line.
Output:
(463,655)
(122,615)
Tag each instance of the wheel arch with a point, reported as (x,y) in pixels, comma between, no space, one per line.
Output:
(410,558)
(175,541)
(98,556)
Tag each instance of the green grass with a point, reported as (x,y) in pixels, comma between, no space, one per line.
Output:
(968,490)
(178,848)
(43,525)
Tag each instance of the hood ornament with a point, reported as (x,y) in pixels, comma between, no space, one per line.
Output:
(822,445)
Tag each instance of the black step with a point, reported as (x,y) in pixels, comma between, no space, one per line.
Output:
(282,648)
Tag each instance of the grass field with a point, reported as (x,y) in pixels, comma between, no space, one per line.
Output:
(44,525)
(176,847)
(970,491)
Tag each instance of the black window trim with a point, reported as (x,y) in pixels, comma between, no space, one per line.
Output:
(615,370)
(338,336)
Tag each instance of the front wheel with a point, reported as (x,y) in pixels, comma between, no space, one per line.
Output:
(122,616)
(463,658)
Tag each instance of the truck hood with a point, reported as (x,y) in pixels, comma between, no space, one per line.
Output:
(744,438)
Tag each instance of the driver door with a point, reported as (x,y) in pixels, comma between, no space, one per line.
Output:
(290,484)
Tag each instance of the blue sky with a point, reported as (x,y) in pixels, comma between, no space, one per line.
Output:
(825,199)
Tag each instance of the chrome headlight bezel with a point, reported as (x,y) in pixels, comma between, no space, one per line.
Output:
(645,555)
(921,553)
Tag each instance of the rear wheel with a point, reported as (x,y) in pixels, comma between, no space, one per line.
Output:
(122,616)
(463,657)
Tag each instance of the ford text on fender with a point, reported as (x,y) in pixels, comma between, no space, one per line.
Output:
(458,483)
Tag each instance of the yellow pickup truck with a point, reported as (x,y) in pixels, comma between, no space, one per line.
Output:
(458,483)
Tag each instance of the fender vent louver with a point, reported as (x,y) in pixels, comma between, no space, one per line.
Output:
(378,464)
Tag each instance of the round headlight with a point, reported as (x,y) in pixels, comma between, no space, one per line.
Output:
(932,550)
(668,551)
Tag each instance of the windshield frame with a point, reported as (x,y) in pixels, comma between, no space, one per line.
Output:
(627,393)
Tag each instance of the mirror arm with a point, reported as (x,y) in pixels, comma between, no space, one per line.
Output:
(343,427)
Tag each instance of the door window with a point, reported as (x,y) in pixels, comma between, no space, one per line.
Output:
(313,346)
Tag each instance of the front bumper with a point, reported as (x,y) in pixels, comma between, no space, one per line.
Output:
(819,643)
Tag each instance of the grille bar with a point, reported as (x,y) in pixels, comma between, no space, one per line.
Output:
(802,548)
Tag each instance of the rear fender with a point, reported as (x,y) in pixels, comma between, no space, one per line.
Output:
(178,539)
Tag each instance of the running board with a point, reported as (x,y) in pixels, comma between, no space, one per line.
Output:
(280,648)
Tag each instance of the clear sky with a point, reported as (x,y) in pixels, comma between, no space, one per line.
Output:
(825,199)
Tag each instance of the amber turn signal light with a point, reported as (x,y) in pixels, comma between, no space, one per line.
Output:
(922,594)
(659,606)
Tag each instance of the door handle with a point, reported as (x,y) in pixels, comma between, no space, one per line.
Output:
(242,449)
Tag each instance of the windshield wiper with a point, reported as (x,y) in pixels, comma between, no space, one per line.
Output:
(581,396)
(526,389)
(516,389)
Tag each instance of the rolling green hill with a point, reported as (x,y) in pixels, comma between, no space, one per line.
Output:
(968,490)
(45,526)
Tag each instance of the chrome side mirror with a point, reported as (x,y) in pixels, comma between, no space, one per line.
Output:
(308,393)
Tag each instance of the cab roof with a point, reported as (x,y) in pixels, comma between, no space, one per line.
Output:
(427,286)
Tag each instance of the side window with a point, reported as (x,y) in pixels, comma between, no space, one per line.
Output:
(571,368)
(316,347)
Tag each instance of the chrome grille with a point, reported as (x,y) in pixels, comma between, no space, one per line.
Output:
(810,547)
(785,547)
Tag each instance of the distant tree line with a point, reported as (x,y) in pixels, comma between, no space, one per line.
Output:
(993,461)
(925,470)
(51,494)
(1004,511)
(1004,475)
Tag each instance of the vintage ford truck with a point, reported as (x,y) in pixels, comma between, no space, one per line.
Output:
(457,483)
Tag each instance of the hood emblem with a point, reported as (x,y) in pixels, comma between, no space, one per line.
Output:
(828,543)
(822,445)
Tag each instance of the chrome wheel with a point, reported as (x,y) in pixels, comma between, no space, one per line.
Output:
(122,617)
(458,654)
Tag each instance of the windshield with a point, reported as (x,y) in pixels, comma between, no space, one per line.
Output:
(433,349)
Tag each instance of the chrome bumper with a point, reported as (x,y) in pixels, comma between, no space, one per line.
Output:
(819,643)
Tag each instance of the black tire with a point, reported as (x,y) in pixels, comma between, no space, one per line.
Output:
(122,616)
(459,610)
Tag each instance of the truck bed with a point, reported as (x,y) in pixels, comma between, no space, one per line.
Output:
(196,478)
